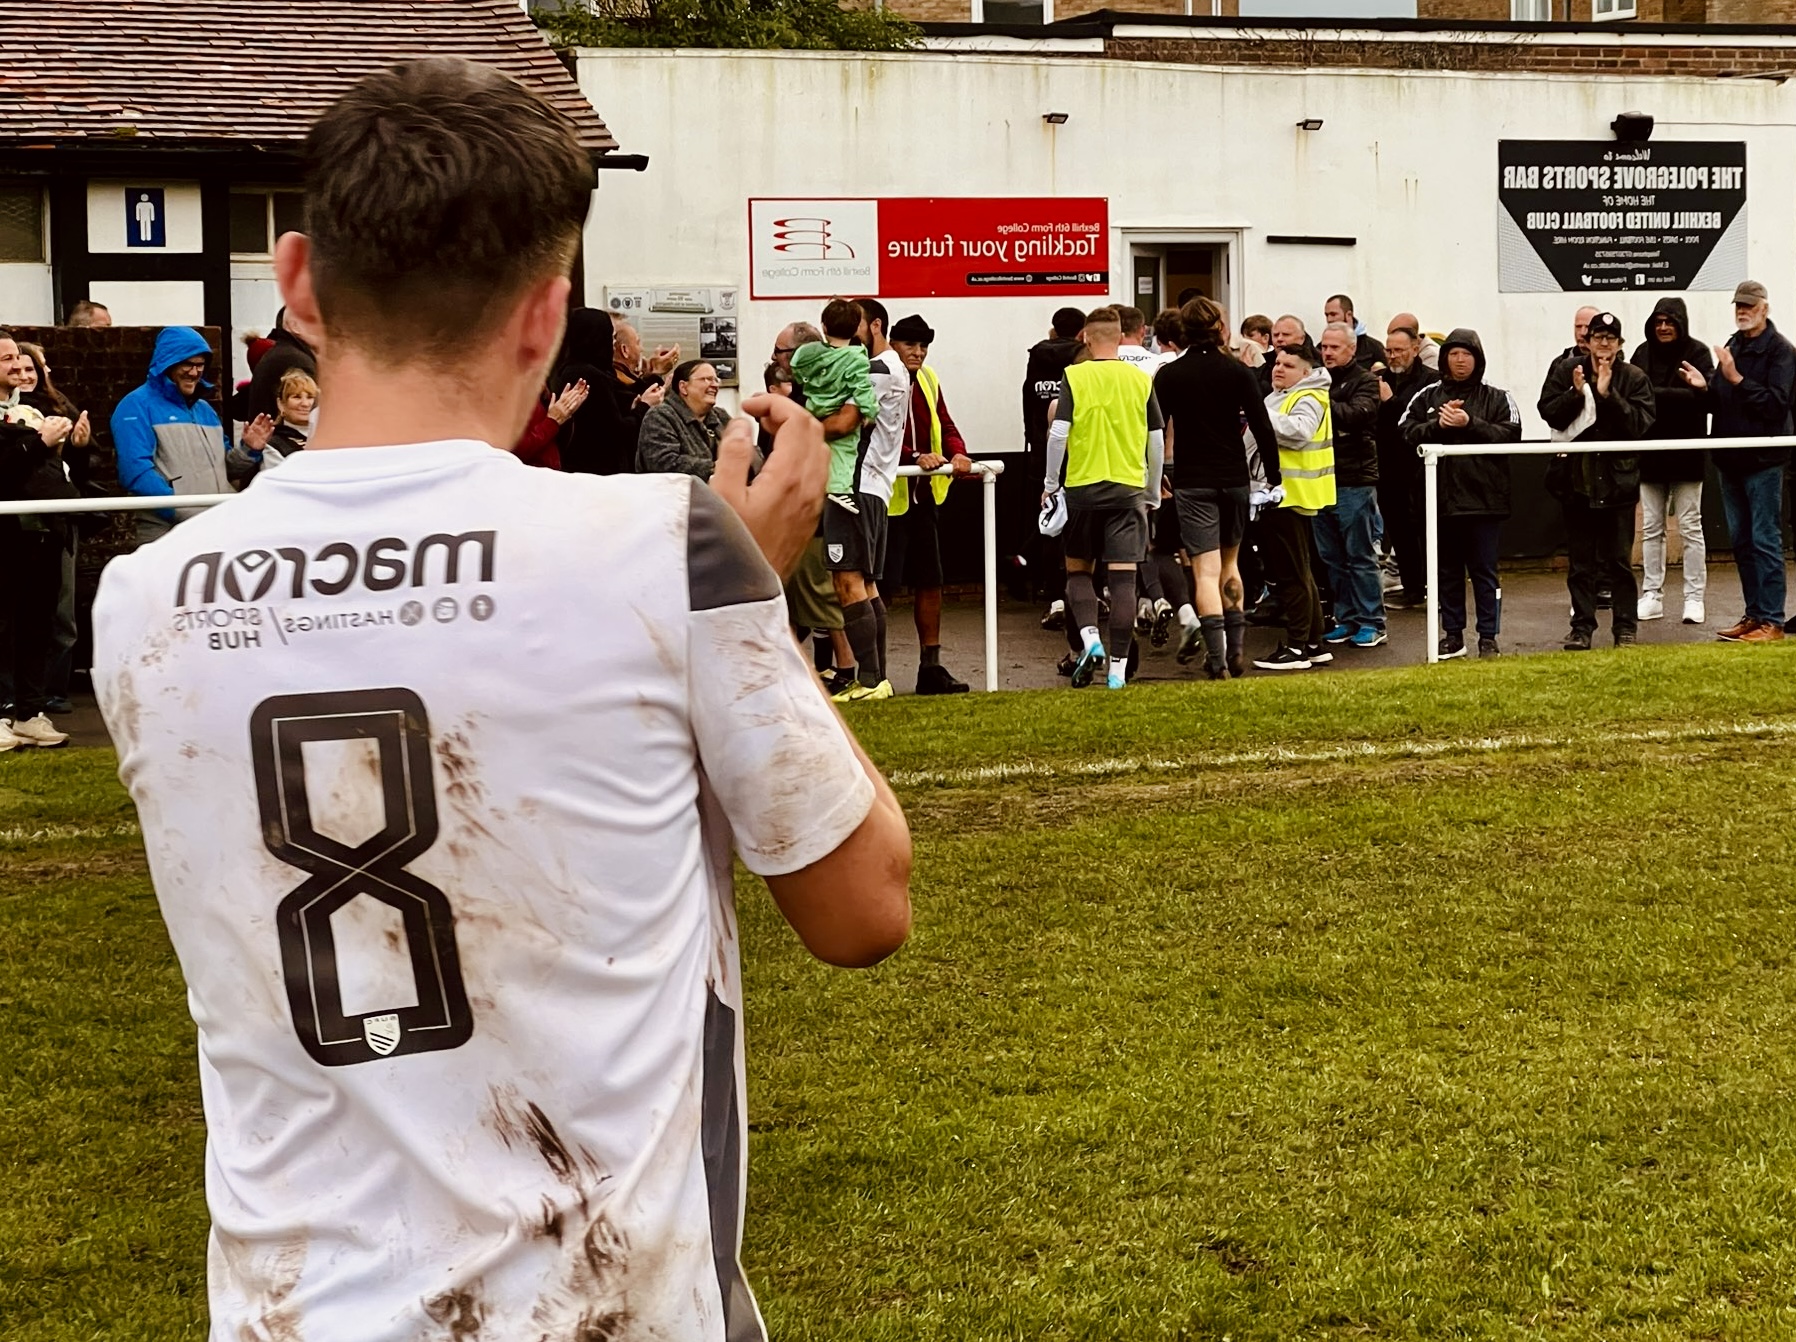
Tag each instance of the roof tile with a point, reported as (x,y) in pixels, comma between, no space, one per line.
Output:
(250,72)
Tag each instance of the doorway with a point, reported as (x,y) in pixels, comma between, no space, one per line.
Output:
(1163,267)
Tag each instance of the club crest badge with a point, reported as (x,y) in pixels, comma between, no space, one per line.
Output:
(382,1033)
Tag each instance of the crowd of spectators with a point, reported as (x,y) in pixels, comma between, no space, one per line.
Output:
(1290,462)
(1296,501)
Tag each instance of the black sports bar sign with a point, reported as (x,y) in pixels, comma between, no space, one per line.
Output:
(1618,215)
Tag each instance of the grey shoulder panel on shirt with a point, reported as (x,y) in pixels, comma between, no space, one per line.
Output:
(724,566)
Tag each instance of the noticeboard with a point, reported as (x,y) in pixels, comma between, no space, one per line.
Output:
(1575,215)
(701,321)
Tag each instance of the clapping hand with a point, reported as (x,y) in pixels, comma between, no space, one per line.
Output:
(1693,375)
(257,433)
(1453,415)
(54,430)
(665,360)
(562,408)
(1724,364)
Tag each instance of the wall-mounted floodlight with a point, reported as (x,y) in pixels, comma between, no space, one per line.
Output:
(1310,123)
(1056,118)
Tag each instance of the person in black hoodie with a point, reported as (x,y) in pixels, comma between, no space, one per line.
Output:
(1474,491)
(1399,468)
(1598,490)
(599,438)
(1036,557)
(263,396)
(1679,370)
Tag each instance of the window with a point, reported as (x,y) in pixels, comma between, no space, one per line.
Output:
(259,217)
(21,223)
(1531,11)
(1018,12)
(1612,9)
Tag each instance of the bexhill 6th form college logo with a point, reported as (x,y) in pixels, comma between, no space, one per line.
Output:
(796,252)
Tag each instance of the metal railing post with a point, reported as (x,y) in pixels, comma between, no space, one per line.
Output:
(1431,503)
(988,495)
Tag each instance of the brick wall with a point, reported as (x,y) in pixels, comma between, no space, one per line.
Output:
(1518,56)
(931,11)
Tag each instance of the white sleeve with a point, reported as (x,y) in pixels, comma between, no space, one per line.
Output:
(774,753)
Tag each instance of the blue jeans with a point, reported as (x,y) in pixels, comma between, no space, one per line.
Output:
(1755,520)
(1346,538)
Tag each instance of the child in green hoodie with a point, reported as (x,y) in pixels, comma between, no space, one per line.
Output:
(832,374)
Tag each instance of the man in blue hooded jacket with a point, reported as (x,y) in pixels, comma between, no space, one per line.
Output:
(168,437)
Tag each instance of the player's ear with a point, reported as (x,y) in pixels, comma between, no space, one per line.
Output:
(293,274)
(540,319)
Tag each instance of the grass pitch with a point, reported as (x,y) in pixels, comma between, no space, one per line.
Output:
(1445,1002)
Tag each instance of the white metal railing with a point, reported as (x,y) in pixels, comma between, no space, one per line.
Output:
(1431,461)
(986,472)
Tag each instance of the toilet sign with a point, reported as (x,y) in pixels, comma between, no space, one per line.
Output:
(146,217)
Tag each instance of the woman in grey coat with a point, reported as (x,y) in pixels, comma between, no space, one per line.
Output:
(680,435)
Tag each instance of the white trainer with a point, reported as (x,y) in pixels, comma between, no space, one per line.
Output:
(7,740)
(1652,606)
(38,731)
(1693,611)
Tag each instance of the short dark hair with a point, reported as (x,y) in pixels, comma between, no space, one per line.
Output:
(1258,324)
(875,311)
(1068,322)
(6,334)
(774,374)
(842,319)
(1345,302)
(1204,328)
(1132,319)
(82,314)
(1169,329)
(435,192)
(1409,331)
(684,373)
(1104,316)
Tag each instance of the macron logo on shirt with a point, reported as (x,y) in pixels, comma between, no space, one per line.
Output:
(382,566)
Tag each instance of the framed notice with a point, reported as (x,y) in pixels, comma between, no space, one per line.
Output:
(929,247)
(700,320)
(1576,215)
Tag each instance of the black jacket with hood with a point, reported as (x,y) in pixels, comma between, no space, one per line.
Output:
(1683,411)
(1048,362)
(1606,479)
(264,392)
(1470,486)
(1353,407)
(598,439)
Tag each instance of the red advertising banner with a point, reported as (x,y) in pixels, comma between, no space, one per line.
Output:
(929,247)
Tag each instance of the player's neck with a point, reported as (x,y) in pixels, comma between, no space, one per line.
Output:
(368,406)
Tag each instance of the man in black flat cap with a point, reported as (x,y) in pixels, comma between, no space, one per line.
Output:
(1604,399)
(913,542)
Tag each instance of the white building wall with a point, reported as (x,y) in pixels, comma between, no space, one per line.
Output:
(1405,162)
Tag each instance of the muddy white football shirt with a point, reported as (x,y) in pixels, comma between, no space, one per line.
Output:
(439,761)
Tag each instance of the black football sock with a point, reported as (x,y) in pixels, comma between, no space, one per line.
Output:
(863,638)
(879,619)
(1234,628)
(1215,638)
(1082,609)
(1122,610)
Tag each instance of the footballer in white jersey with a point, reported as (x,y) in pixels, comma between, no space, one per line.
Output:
(441,830)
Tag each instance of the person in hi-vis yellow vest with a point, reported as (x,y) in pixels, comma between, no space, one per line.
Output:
(913,543)
(1299,410)
(1108,432)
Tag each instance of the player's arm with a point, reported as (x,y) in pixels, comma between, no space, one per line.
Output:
(1058,433)
(841,423)
(808,811)
(852,907)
